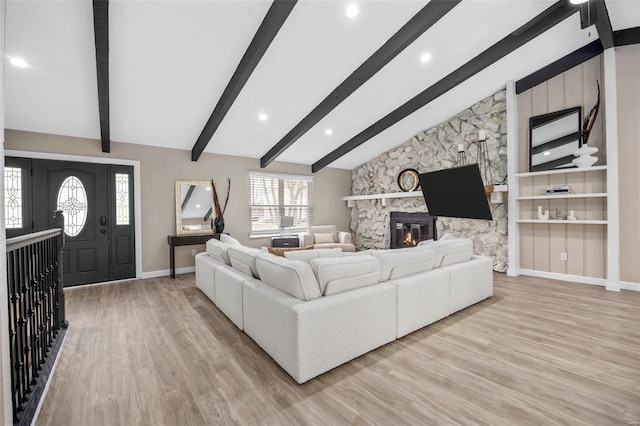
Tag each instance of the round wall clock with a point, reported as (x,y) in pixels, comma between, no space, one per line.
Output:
(408,180)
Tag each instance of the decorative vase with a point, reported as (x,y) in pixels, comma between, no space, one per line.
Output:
(219,224)
(585,159)
(542,216)
(585,149)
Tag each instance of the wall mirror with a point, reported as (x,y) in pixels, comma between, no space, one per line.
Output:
(554,137)
(194,207)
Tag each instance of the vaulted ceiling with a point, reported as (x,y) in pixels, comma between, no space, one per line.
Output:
(312,70)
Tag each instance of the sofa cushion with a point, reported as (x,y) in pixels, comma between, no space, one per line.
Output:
(218,250)
(344,247)
(244,259)
(399,263)
(452,251)
(293,277)
(228,239)
(322,229)
(324,238)
(309,255)
(338,274)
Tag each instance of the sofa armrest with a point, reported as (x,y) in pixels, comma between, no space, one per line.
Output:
(309,338)
(305,239)
(344,237)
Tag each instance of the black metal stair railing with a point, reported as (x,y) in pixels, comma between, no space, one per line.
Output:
(37,322)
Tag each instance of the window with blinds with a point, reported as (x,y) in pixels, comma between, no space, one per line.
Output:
(275,195)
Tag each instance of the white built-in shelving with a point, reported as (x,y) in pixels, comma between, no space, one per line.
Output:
(565,221)
(521,177)
(561,171)
(561,196)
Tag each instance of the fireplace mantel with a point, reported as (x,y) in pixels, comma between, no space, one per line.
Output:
(351,199)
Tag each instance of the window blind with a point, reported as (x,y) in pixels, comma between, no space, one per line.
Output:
(273,195)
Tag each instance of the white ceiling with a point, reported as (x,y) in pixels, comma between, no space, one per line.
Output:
(171,60)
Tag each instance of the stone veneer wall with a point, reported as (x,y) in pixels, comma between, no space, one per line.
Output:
(436,149)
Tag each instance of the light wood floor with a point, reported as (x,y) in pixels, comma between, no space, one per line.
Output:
(539,352)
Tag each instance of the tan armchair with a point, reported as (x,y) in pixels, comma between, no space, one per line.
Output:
(326,236)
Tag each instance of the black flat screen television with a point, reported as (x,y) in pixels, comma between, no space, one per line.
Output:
(457,192)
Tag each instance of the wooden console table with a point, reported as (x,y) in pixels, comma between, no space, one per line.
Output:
(185,240)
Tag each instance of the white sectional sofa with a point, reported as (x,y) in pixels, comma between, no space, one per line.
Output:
(317,309)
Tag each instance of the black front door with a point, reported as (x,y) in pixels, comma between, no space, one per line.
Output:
(97,201)
(80,191)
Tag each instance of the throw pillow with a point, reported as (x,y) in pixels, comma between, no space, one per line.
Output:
(228,239)
(446,236)
(426,242)
(323,238)
(278,251)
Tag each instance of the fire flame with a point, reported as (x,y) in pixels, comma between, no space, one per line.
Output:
(408,241)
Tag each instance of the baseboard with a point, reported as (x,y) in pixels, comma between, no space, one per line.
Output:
(126,280)
(626,285)
(167,272)
(512,272)
(612,286)
(564,277)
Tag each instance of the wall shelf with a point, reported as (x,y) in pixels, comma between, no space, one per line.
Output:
(561,171)
(563,196)
(571,222)
(351,199)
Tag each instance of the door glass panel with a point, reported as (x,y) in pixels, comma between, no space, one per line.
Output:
(122,199)
(12,197)
(72,199)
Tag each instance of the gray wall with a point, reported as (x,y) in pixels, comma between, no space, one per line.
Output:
(160,167)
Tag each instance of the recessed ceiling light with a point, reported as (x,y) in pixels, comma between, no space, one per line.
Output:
(546,153)
(425,57)
(208,188)
(578,1)
(197,206)
(19,62)
(328,132)
(263,117)
(352,10)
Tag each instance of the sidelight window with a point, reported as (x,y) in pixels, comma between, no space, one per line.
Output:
(72,199)
(122,199)
(12,197)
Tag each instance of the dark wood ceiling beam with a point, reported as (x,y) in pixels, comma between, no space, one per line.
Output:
(555,14)
(627,36)
(603,24)
(414,28)
(101,35)
(271,24)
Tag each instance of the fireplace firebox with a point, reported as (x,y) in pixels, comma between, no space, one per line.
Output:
(408,229)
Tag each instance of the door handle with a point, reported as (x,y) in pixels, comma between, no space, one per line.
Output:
(104,230)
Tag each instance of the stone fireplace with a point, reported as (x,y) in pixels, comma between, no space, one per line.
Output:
(435,148)
(408,229)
